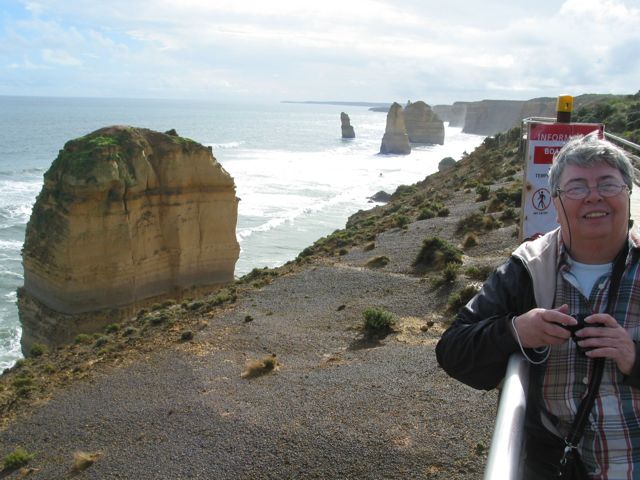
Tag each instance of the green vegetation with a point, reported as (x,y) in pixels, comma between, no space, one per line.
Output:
(483,193)
(459,299)
(16,459)
(437,253)
(619,113)
(37,350)
(376,319)
(476,222)
(83,338)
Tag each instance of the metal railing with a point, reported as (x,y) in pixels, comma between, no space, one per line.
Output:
(505,455)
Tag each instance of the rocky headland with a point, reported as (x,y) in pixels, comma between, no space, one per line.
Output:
(126,217)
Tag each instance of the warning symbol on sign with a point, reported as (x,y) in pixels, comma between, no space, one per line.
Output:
(541,199)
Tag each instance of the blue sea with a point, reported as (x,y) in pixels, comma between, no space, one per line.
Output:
(297,179)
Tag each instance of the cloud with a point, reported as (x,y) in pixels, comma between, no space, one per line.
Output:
(356,50)
(60,57)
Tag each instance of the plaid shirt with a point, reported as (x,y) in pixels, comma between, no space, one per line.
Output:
(611,440)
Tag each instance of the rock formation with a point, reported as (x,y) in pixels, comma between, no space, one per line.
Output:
(347,129)
(445,163)
(395,138)
(423,125)
(126,216)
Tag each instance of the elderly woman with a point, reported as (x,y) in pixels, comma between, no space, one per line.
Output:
(531,303)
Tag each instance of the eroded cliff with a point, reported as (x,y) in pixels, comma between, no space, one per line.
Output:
(125,216)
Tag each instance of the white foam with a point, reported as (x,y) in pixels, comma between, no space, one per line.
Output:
(216,146)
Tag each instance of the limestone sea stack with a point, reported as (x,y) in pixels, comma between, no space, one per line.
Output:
(347,129)
(395,138)
(423,125)
(126,216)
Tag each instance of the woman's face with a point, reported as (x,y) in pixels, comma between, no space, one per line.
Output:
(594,219)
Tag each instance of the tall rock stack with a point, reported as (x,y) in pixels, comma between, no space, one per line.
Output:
(423,125)
(126,216)
(395,138)
(347,129)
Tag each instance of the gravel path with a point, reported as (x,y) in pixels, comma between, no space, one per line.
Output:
(337,406)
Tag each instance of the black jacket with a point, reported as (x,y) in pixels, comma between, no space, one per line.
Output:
(476,348)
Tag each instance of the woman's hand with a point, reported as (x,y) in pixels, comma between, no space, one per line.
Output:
(608,340)
(539,327)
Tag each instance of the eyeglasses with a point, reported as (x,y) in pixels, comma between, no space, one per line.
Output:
(582,191)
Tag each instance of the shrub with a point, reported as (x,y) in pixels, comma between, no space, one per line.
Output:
(369,246)
(23,384)
(483,193)
(112,328)
(16,459)
(256,368)
(479,273)
(158,318)
(377,319)
(101,341)
(509,214)
(476,222)
(443,212)
(186,335)
(460,298)
(195,305)
(494,205)
(437,253)
(129,331)
(450,272)
(83,338)
(426,213)
(37,350)
(378,262)
(470,240)
(402,221)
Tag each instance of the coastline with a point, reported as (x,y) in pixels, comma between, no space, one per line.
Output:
(153,402)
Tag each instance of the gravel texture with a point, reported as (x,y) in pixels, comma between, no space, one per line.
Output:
(337,406)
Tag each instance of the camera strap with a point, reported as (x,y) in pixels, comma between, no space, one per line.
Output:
(580,422)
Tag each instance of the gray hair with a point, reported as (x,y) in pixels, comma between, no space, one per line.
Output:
(587,151)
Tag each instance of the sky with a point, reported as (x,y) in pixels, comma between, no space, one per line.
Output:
(328,50)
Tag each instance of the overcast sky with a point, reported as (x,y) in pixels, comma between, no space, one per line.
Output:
(351,50)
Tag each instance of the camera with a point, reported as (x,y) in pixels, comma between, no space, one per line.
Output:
(579,326)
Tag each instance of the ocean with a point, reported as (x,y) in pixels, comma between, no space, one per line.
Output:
(296,178)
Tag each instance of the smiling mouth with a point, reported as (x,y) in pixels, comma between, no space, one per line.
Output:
(595,215)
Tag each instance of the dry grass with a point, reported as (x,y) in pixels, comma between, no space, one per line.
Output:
(257,368)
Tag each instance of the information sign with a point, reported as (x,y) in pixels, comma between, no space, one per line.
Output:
(544,140)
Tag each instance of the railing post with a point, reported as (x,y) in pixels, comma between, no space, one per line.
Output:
(506,452)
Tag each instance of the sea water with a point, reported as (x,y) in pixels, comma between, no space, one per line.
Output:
(296,178)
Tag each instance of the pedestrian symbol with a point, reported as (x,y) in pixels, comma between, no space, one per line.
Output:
(541,199)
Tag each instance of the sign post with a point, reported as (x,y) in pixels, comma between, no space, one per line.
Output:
(544,140)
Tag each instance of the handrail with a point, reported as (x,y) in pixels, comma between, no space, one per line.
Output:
(505,455)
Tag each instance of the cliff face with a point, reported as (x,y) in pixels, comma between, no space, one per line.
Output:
(423,125)
(395,138)
(125,215)
(489,117)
